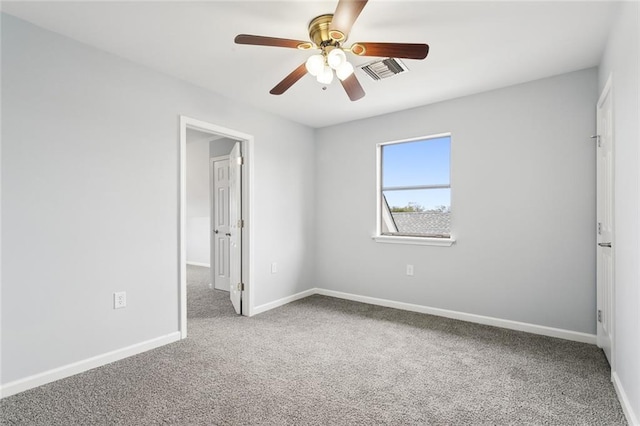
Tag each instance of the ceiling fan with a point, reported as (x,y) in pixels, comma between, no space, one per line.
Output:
(328,33)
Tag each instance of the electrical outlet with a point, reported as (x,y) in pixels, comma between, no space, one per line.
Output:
(274,267)
(119,299)
(410,270)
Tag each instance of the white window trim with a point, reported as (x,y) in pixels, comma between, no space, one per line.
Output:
(400,239)
(418,241)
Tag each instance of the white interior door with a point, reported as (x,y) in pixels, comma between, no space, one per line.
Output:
(605,217)
(220,224)
(235,227)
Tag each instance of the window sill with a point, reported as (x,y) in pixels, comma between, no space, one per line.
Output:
(418,241)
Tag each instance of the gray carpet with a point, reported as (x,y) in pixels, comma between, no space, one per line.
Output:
(325,361)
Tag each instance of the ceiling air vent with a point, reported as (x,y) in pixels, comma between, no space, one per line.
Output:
(384,68)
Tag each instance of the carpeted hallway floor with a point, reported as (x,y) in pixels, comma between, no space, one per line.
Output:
(325,361)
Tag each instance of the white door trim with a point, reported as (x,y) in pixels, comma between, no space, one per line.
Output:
(235,227)
(247,213)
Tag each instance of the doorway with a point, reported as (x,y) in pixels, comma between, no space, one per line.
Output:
(241,230)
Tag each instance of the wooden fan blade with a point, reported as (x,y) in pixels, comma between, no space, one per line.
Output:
(289,80)
(391,50)
(345,15)
(352,87)
(271,41)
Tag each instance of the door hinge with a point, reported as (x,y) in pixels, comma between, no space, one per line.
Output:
(241,223)
(240,161)
(240,286)
(597,138)
(599,315)
(599,228)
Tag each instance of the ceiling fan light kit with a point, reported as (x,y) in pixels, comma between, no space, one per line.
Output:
(327,32)
(315,65)
(326,76)
(344,70)
(336,57)
(323,64)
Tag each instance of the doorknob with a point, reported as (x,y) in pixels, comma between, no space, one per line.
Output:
(215,232)
(227,234)
(605,245)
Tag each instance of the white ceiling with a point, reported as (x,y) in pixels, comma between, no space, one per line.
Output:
(474,46)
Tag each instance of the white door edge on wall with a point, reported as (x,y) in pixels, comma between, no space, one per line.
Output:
(605,172)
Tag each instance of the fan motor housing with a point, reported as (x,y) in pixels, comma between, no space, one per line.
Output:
(319,30)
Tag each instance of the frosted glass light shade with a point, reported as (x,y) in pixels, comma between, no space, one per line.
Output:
(344,70)
(326,76)
(336,57)
(315,65)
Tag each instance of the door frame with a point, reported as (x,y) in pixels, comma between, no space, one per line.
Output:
(212,206)
(607,91)
(246,144)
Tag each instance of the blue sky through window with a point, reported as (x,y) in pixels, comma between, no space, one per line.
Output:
(425,162)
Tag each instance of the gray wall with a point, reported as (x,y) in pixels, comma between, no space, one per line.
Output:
(621,59)
(90,199)
(523,206)
(220,147)
(198,199)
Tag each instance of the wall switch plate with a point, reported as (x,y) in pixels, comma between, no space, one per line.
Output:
(274,267)
(119,299)
(410,270)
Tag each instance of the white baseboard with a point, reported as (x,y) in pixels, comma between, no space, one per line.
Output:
(40,379)
(277,303)
(479,319)
(632,419)
(206,265)
(17,386)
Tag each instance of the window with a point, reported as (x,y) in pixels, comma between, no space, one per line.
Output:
(414,189)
